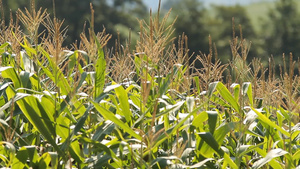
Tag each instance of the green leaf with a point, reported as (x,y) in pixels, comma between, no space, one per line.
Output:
(163,162)
(264,119)
(109,153)
(26,63)
(197,82)
(271,155)
(32,154)
(171,131)
(167,81)
(223,130)
(296,155)
(38,117)
(190,103)
(247,90)
(110,116)
(83,118)
(212,88)
(21,158)
(57,77)
(199,164)
(54,159)
(212,120)
(224,92)
(124,104)
(25,79)
(100,70)
(103,130)
(199,119)
(229,161)
(236,91)
(210,140)
(10,73)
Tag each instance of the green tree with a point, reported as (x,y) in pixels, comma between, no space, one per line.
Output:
(221,29)
(283,29)
(114,15)
(191,21)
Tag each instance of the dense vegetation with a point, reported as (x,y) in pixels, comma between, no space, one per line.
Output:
(271,27)
(149,107)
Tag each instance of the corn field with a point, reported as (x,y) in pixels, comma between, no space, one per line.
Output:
(149,106)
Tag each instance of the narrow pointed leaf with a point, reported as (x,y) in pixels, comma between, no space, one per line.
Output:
(124,104)
(110,116)
(264,119)
(271,155)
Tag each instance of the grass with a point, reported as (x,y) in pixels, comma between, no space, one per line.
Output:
(147,107)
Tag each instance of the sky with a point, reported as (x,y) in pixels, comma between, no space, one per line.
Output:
(154,3)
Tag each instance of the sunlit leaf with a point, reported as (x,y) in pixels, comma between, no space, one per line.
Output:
(271,155)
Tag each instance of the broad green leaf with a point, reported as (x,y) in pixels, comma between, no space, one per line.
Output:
(244,149)
(280,118)
(103,130)
(211,88)
(171,131)
(111,87)
(44,160)
(30,51)
(247,90)
(264,119)
(212,117)
(26,62)
(196,79)
(163,162)
(167,81)
(54,159)
(84,116)
(222,131)
(199,164)
(296,156)
(224,92)
(100,67)
(82,78)
(123,99)
(229,161)
(212,120)
(209,139)
(236,91)
(55,74)
(199,119)
(271,155)
(36,114)
(190,103)
(3,46)
(10,73)
(25,79)
(110,116)
(76,151)
(109,152)
(21,158)
(32,155)
(211,142)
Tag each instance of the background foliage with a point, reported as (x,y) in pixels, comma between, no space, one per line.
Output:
(272,27)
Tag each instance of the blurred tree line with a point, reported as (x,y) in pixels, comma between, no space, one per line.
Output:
(280,32)
(117,16)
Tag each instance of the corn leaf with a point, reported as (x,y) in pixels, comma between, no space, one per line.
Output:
(124,104)
(264,119)
(271,155)
(110,116)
